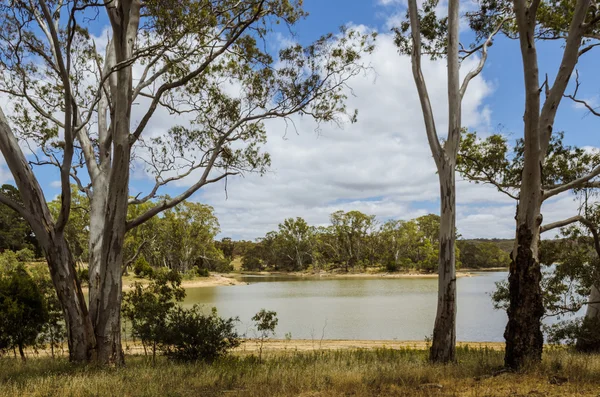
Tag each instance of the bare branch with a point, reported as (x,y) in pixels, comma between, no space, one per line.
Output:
(484,52)
(561,223)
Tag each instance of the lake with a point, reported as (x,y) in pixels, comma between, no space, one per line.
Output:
(353,308)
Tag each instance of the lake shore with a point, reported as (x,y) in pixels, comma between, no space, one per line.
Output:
(214,280)
(278,345)
(324,274)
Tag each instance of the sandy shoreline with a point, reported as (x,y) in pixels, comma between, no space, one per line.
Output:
(214,280)
(348,275)
(229,279)
(283,346)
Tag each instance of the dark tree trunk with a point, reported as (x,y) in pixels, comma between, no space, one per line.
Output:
(524,338)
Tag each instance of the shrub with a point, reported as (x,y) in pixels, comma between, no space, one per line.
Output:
(203,272)
(8,261)
(266,322)
(22,310)
(392,267)
(25,255)
(83,274)
(148,306)
(221,266)
(192,335)
(142,268)
(251,263)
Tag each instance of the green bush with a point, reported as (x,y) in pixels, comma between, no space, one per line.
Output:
(22,310)
(221,266)
(203,272)
(25,255)
(8,261)
(148,306)
(83,274)
(251,263)
(142,268)
(192,335)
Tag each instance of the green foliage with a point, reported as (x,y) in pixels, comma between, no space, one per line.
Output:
(142,268)
(251,260)
(265,323)
(482,254)
(192,335)
(434,31)
(25,255)
(148,306)
(77,229)
(353,241)
(83,274)
(22,309)
(15,232)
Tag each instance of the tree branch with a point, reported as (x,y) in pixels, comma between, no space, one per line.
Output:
(571,185)
(432,137)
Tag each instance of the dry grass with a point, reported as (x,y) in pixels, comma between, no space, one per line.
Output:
(393,372)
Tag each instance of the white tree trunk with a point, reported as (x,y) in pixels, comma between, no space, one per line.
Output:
(443,348)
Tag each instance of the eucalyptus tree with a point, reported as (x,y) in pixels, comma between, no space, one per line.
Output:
(576,24)
(564,169)
(436,37)
(297,242)
(86,103)
(351,230)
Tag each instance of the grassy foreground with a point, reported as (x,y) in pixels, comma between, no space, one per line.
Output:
(389,372)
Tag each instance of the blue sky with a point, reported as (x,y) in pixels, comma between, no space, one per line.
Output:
(382,164)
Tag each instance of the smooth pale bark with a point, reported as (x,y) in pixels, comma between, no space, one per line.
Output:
(111,193)
(443,348)
(524,338)
(52,242)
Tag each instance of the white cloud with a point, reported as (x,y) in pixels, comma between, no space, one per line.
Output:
(381,165)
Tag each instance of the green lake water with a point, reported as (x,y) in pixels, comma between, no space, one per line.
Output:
(352,308)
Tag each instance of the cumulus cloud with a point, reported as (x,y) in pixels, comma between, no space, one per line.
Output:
(381,165)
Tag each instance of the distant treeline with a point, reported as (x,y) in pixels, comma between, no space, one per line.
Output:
(356,241)
(184,239)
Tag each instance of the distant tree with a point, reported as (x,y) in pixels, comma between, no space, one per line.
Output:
(227,247)
(351,230)
(22,309)
(482,254)
(185,237)
(296,240)
(15,232)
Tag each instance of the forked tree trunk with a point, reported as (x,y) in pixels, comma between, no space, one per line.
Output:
(443,348)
